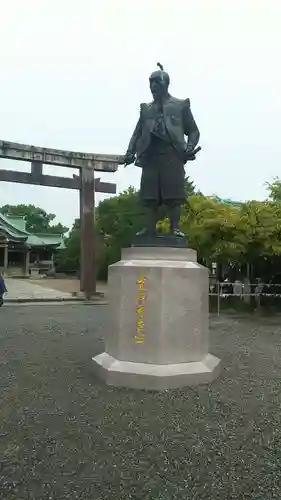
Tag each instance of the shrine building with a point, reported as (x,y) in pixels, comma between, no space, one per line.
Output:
(23,253)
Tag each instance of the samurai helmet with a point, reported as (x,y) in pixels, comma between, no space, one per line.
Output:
(160,75)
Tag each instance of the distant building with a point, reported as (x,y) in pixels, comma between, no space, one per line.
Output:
(229,202)
(22,253)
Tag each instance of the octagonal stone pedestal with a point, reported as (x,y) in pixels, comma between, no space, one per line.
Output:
(157,333)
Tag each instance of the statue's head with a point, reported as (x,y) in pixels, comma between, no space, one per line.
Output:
(159,82)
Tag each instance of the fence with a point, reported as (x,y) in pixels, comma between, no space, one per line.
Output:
(238,296)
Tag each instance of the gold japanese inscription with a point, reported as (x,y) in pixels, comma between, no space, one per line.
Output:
(140,310)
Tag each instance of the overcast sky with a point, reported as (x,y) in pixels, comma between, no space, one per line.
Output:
(73,74)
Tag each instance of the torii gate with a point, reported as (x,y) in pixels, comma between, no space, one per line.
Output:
(84,182)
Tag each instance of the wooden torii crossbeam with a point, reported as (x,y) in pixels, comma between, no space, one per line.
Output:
(84,182)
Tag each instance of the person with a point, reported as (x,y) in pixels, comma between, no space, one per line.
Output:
(3,289)
(159,147)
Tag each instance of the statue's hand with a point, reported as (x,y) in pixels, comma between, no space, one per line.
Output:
(129,158)
(189,154)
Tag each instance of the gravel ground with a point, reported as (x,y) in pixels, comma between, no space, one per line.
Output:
(64,435)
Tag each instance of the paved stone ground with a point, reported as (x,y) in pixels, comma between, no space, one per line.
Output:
(24,290)
(70,285)
(64,435)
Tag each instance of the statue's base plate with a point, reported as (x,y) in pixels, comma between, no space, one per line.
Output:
(153,377)
(150,240)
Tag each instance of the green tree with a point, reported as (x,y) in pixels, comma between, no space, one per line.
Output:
(225,232)
(68,260)
(262,221)
(189,185)
(37,220)
(121,216)
(212,228)
(118,220)
(274,189)
(242,233)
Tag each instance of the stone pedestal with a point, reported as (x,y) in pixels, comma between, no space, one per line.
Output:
(157,333)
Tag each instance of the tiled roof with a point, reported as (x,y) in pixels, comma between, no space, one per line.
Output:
(15,230)
(229,202)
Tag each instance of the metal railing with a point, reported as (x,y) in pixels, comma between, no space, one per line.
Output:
(222,291)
